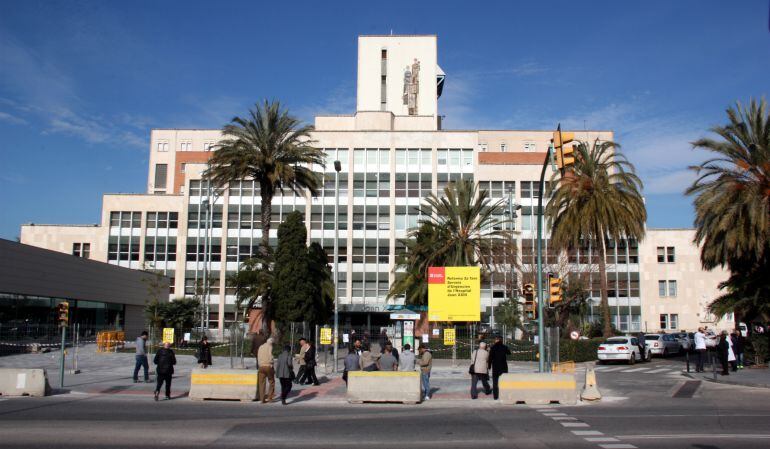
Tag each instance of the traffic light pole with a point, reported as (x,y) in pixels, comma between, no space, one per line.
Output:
(61,356)
(540,289)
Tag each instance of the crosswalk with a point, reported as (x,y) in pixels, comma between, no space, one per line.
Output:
(635,370)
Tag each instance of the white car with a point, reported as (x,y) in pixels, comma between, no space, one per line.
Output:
(663,345)
(621,348)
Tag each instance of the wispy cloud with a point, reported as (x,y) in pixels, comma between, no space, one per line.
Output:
(339,100)
(43,93)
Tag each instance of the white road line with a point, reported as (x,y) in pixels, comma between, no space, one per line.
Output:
(602,440)
(554,414)
(687,436)
(574,424)
(635,370)
(564,418)
(617,446)
(583,433)
(655,371)
(611,369)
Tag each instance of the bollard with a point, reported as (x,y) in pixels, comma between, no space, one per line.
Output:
(590,390)
(687,360)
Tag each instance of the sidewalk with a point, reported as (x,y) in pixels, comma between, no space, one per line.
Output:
(747,377)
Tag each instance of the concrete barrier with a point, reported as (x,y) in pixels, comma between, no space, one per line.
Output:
(590,390)
(538,389)
(233,384)
(23,382)
(384,386)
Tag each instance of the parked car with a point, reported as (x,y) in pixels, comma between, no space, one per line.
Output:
(662,344)
(685,341)
(621,348)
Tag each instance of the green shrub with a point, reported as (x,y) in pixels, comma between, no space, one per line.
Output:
(579,350)
(756,349)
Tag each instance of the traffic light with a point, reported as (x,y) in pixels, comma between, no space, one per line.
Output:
(563,149)
(554,289)
(530,308)
(63,313)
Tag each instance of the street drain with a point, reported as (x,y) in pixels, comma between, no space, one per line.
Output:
(688,389)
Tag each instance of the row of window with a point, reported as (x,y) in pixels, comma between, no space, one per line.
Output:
(669,321)
(155,220)
(184,145)
(81,250)
(526,146)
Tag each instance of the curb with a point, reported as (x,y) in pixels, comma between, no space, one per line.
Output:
(727,382)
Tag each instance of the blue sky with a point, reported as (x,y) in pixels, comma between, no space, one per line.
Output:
(82,83)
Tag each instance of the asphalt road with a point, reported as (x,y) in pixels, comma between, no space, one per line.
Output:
(654,408)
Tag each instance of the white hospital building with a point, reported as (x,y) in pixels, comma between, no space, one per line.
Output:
(394,152)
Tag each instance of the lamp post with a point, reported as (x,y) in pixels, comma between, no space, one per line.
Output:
(337,169)
(205,311)
(512,216)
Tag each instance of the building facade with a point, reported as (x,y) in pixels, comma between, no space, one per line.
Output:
(393,153)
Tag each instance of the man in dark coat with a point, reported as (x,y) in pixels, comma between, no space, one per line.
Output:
(498,361)
(723,347)
(310,364)
(164,361)
(204,353)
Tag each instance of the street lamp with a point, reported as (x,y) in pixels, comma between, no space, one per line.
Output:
(337,169)
(512,216)
(205,312)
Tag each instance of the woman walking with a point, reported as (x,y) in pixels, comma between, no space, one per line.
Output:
(284,370)
(479,370)
(204,353)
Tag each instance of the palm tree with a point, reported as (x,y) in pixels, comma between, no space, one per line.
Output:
(598,199)
(459,229)
(732,191)
(272,148)
(732,209)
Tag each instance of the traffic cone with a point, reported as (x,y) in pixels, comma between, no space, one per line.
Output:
(590,390)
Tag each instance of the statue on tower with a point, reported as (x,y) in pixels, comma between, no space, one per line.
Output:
(412,86)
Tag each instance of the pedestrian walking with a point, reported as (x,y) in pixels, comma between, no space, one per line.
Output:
(388,361)
(699,339)
(739,342)
(310,364)
(498,361)
(301,360)
(426,364)
(642,345)
(352,362)
(141,358)
(164,360)
(723,349)
(204,353)
(406,360)
(479,370)
(284,370)
(266,372)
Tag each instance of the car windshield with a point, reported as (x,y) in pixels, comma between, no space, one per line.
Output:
(616,341)
(651,337)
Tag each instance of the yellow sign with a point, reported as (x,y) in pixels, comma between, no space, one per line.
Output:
(326,335)
(454,294)
(168,335)
(449,337)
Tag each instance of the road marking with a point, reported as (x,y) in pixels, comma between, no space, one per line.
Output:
(610,369)
(635,370)
(574,424)
(696,436)
(617,446)
(655,371)
(583,433)
(554,414)
(564,418)
(602,440)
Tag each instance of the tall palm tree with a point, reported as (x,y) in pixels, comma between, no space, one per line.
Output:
(598,199)
(460,229)
(732,209)
(732,191)
(271,147)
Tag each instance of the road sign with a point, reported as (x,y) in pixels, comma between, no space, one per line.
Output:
(449,337)
(574,335)
(454,294)
(326,335)
(168,335)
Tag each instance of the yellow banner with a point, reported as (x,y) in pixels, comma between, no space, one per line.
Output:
(449,337)
(168,335)
(454,294)
(326,336)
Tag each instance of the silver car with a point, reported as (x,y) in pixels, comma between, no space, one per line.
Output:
(662,344)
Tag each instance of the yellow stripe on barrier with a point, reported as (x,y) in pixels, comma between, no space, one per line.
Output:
(224,379)
(538,385)
(383,374)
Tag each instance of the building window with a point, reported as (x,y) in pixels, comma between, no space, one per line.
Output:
(669,321)
(663,321)
(529,146)
(667,289)
(672,289)
(81,250)
(208,146)
(662,289)
(503,147)
(666,254)
(161,175)
(483,147)
(162,147)
(185,146)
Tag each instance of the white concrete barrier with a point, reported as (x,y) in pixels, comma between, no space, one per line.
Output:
(23,382)
(384,386)
(538,389)
(234,384)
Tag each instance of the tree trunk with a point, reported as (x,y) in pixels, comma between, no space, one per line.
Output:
(266,194)
(605,304)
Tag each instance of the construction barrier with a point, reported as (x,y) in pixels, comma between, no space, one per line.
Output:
(384,386)
(538,388)
(23,382)
(590,389)
(110,341)
(232,384)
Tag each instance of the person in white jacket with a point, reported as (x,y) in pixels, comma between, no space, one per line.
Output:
(479,370)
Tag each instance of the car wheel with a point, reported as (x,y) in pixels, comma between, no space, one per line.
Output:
(632,359)
(665,353)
